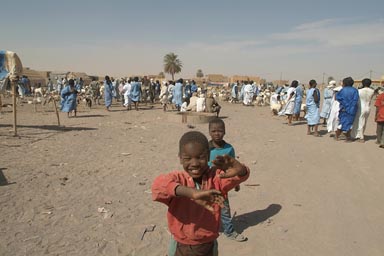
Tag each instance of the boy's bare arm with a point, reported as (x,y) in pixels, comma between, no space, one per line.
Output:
(206,198)
(377,113)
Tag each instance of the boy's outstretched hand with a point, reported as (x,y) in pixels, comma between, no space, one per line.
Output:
(207,198)
(230,165)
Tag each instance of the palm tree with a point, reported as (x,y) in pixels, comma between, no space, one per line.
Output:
(199,73)
(172,65)
(161,75)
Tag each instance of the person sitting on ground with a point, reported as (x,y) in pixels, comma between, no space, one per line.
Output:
(211,104)
(184,106)
(200,103)
(192,102)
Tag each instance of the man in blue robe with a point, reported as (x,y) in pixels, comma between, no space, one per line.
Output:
(187,91)
(348,98)
(234,93)
(108,92)
(69,98)
(178,94)
(135,93)
(298,101)
(193,87)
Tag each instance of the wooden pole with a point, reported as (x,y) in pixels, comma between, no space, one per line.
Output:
(57,113)
(14,107)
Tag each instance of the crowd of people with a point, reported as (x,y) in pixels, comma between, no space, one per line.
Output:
(178,95)
(344,111)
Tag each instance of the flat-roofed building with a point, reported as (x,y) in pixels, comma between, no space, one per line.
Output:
(36,77)
(280,82)
(239,78)
(216,78)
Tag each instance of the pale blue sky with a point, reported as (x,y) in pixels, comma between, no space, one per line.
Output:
(298,39)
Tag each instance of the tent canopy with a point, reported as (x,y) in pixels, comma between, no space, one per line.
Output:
(10,67)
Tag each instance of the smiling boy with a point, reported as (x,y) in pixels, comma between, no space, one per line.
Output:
(194,196)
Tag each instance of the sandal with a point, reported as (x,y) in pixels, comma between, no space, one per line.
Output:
(236,237)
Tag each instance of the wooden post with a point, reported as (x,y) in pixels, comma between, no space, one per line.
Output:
(14,83)
(57,113)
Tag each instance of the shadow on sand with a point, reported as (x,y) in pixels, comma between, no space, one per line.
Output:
(50,127)
(3,179)
(86,116)
(298,123)
(323,132)
(370,137)
(247,220)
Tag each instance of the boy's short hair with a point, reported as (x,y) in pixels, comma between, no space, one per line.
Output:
(193,136)
(216,121)
(294,83)
(366,82)
(348,81)
(312,82)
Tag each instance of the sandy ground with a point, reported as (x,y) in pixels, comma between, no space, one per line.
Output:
(84,189)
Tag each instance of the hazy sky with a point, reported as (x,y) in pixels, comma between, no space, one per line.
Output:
(295,39)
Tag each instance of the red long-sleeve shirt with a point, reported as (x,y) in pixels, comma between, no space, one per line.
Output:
(379,103)
(189,222)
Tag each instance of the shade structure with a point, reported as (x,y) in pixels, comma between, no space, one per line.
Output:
(10,69)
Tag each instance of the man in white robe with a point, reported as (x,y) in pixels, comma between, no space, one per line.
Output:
(248,94)
(333,119)
(363,110)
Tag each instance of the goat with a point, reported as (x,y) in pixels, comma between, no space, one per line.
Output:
(303,108)
(83,97)
(276,104)
(39,92)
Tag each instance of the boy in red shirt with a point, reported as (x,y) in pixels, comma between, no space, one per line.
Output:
(379,117)
(194,196)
